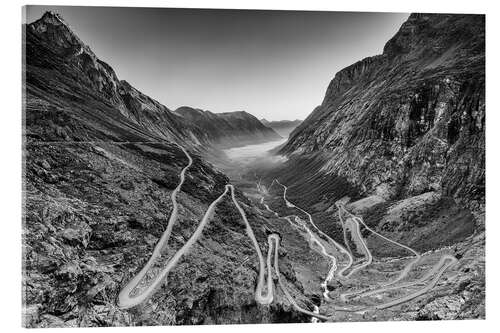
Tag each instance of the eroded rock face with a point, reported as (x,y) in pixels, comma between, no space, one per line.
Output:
(411,120)
(442,308)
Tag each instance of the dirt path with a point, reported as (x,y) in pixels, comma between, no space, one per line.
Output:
(124,299)
(404,272)
(261,296)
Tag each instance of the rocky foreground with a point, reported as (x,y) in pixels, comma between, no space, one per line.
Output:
(93,215)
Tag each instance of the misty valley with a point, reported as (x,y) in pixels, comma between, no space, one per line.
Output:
(370,209)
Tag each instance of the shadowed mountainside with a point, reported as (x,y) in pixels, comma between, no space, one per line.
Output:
(410,120)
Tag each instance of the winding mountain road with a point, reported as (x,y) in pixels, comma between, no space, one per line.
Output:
(434,274)
(264,291)
(260,296)
(437,270)
(336,244)
(404,272)
(358,239)
(313,240)
(124,299)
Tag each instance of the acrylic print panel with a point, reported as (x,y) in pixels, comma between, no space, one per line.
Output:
(188,166)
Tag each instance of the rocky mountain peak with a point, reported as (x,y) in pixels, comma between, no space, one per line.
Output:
(57,34)
(61,48)
(428,35)
(423,38)
(51,17)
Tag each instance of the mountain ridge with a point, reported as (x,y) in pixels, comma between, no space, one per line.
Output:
(228,129)
(61,52)
(385,118)
(400,138)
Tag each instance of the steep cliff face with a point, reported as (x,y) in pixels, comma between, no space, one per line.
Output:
(410,120)
(228,128)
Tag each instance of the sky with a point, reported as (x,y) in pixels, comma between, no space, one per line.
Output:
(272,64)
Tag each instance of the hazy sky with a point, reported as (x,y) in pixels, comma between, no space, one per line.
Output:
(273,64)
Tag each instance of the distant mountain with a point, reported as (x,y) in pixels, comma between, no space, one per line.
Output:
(229,128)
(63,74)
(283,127)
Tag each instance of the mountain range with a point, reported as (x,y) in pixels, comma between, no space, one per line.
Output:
(228,129)
(64,72)
(401,137)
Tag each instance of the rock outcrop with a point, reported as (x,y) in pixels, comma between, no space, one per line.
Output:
(410,120)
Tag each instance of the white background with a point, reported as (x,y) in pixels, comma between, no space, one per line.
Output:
(10,182)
